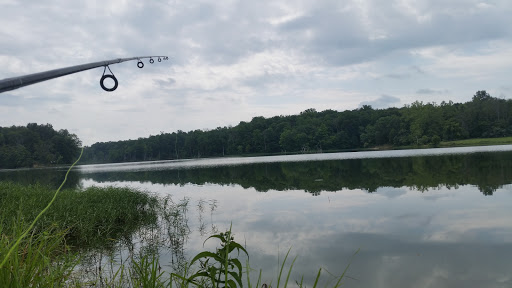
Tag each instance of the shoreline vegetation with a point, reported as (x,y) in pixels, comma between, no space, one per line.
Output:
(478,142)
(96,221)
(418,125)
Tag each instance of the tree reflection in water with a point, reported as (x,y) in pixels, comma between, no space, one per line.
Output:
(487,171)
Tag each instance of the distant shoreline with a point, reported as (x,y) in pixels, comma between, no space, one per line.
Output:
(443,144)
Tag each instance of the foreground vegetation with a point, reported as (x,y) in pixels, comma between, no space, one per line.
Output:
(97,220)
(111,212)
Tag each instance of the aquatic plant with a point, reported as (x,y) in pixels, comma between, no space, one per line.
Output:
(219,269)
(92,218)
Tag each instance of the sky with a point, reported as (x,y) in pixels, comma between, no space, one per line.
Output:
(230,61)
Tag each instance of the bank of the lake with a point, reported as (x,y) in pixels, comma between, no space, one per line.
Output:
(474,142)
(477,142)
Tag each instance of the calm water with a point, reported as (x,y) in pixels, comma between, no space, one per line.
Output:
(420,218)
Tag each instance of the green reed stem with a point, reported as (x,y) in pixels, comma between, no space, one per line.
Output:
(40,214)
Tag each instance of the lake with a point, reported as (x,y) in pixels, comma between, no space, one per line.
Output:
(418,218)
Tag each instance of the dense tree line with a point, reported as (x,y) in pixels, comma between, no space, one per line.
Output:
(416,124)
(36,145)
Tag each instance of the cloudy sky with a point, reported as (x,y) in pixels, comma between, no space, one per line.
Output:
(230,61)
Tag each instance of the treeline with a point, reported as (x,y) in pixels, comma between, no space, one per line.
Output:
(417,124)
(36,145)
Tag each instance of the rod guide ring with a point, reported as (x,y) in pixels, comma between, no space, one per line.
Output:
(111,77)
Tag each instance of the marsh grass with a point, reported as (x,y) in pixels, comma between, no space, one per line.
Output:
(92,218)
(95,219)
(40,260)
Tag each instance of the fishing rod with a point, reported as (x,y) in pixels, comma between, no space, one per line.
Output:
(21,81)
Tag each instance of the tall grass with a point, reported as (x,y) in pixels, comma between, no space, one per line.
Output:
(78,221)
(41,213)
(40,260)
(91,218)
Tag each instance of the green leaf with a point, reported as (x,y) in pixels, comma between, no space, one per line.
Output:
(289,272)
(237,277)
(301,281)
(346,268)
(317,277)
(232,284)
(237,246)
(212,270)
(282,267)
(248,269)
(205,254)
(215,236)
(198,274)
(237,264)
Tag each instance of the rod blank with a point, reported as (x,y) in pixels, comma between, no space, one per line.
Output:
(21,81)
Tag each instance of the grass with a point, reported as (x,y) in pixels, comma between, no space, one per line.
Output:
(40,260)
(90,218)
(477,142)
(95,219)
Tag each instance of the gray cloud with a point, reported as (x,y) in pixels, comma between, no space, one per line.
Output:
(163,84)
(417,69)
(8,99)
(334,48)
(398,75)
(383,101)
(336,32)
(391,192)
(428,91)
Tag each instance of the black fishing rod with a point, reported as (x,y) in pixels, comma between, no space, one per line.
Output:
(20,81)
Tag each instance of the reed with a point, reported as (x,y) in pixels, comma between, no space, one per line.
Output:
(39,260)
(91,218)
